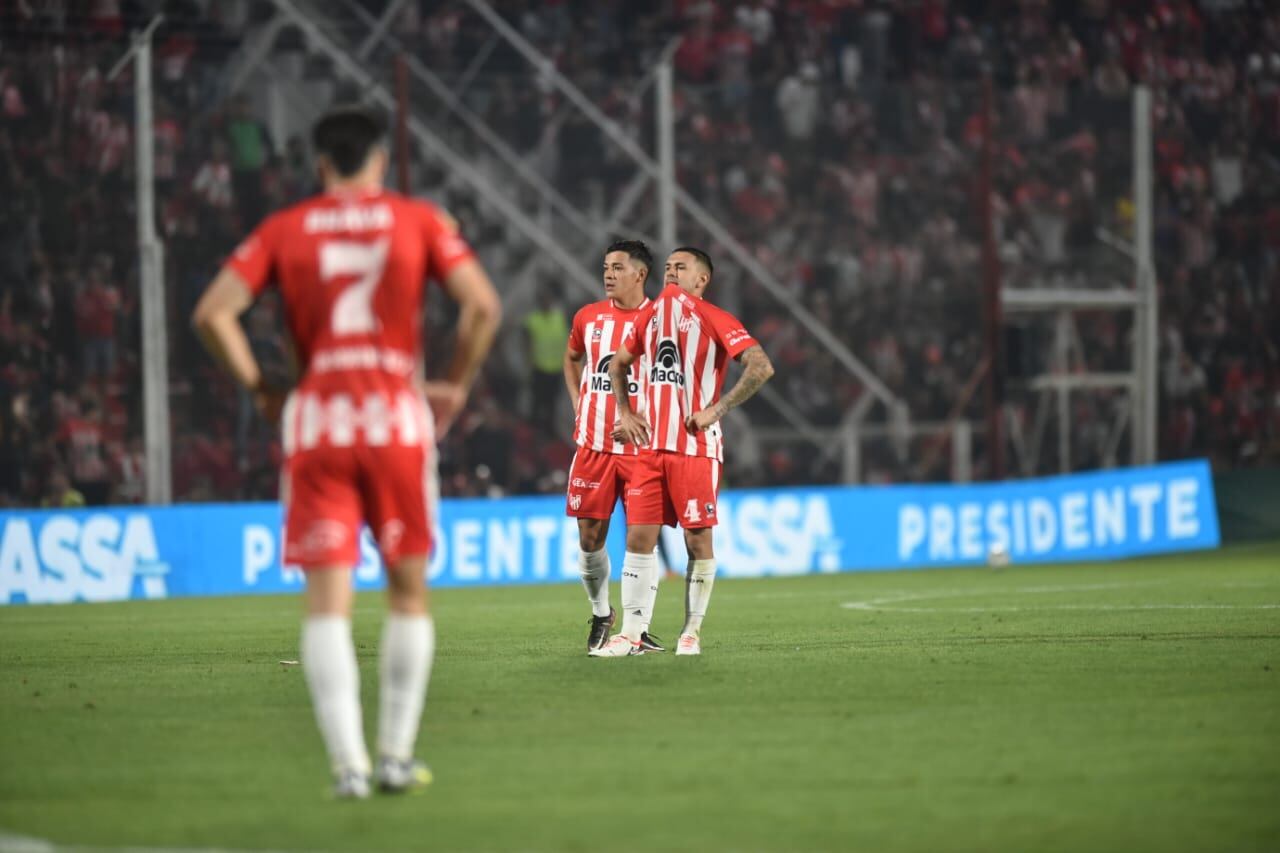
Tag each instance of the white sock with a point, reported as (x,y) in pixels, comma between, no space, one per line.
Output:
(637,600)
(408,645)
(329,663)
(654,573)
(595,578)
(699,580)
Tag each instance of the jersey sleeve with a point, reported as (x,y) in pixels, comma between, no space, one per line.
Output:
(255,258)
(446,249)
(728,329)
(577,333)
(637,336)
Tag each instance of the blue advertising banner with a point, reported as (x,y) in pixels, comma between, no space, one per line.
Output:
(52,556)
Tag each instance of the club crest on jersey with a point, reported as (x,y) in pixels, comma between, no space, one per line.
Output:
(666,364)
(600,378)
(686,323)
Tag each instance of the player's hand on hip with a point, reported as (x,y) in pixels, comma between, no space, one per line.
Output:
(446,400)
(269,401)
(699,421)
(631,429)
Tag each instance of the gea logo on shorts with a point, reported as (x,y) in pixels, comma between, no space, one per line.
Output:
(666,364)
(600,378)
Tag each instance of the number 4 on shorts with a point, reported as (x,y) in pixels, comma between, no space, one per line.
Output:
(691,511)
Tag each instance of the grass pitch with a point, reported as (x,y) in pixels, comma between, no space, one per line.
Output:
(1131,706)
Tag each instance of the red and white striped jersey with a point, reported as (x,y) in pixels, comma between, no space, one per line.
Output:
(598,330)
(688,343)
(351,269)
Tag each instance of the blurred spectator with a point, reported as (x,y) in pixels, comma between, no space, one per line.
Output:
(250,151)
(96,308)
(128,470)
(14,445)
(213,182)
(799,103)
(546,332)
(80,440)
(60,494)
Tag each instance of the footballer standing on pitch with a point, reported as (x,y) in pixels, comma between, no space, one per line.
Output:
(688,342)
(603,466)
(359,440)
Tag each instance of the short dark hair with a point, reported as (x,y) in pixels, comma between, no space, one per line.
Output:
(701,256)
(636,249)
(346,134)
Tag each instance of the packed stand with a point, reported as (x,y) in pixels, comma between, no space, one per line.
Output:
(70,389)
(839,141)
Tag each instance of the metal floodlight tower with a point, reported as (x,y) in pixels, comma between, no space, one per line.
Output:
(155,350)
(1055,386)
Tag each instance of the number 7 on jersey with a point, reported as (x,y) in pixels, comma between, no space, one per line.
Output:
(352,312)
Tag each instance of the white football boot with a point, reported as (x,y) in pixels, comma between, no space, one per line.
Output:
(351,785)
(618,647)
(396,777)
(688,644)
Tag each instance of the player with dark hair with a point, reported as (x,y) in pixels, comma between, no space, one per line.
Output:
(602,466)
(359,438)
(688,343)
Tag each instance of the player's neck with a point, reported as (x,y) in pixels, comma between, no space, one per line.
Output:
(355,185)
(629,304)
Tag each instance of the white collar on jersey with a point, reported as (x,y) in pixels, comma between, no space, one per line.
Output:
(354,193)
(617,307)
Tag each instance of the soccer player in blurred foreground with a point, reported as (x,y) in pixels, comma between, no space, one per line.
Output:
(603,467)
(359,438)
(688,342)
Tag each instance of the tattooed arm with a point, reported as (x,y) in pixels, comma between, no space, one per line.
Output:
(757,370)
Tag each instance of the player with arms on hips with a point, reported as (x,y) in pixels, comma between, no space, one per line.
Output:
(603,466)
(688,343)
(359,440)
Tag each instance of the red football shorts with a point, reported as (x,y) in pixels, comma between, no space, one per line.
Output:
(328,492)
(596,481)
(672,486)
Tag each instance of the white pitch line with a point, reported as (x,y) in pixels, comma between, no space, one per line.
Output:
(973,592)
(10,843)
(1087,587)
(900,603)
(904,603)
(873,606)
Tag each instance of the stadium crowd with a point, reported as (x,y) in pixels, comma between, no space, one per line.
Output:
(838,139)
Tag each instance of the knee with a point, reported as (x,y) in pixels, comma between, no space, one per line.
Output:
(407,589)
(413,602)
(591,537)
(698,543)
(642,540)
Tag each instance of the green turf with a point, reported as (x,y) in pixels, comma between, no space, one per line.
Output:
(1131,706)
